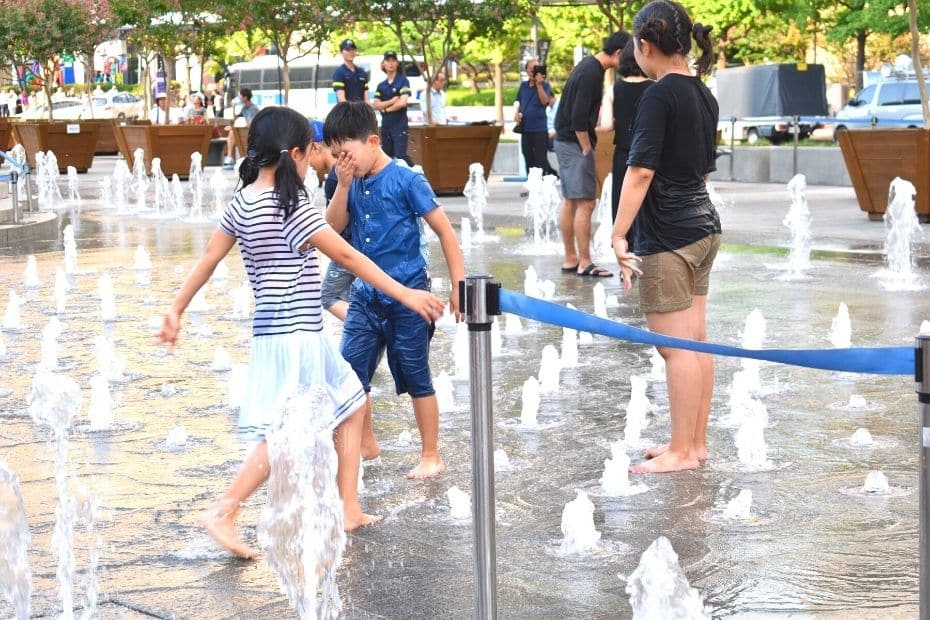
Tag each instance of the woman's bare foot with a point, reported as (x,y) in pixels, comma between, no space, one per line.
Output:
(664,463)
(355,521)
(428,468)
(651,453)
(220,523)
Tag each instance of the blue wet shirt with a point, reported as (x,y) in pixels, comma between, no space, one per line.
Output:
(355,83)
(383,212)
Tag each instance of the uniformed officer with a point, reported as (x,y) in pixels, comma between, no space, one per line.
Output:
(350,82)
(391,100)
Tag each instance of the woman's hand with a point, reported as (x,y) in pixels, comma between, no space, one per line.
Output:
(454,307)
(629,262)
(170,327)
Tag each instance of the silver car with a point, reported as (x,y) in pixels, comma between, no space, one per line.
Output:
(892,103)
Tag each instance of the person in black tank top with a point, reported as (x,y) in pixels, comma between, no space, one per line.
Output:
(627,92)
(675,230)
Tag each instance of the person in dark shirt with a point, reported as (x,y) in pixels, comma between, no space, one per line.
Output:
(533,100)
(627,92)
(676,230)
(391,100)
(350,82)
(575,139)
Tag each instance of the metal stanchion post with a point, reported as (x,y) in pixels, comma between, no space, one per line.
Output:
(481,300)
(796,129)
(732,144)
(922,372)
(14,194)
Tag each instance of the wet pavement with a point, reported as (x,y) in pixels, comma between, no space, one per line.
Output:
(812,550)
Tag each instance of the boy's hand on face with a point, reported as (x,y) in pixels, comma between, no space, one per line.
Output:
(345,168)
(424,303)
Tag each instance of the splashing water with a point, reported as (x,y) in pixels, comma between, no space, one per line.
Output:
(636,411)
(459,504)
(106,191)
(901,227)
(876,483)
(659,589)
(798,221)
(101,404)
(142,261)
(547,289)
(569,357)
(750,441)
(177,438)
(15,576)
(199,302)
(530,282)
(601,241)
(501,460)
(460,354)
(857,401)
(445,392)
(580,535)
(31,273)
(221,360)
(615,482)
(49,347)
(513,326)
(11,319)
(862,438)
(302,525)
(140,180)
(70,246)
(841,328)
(657,369)
(497,341)
(195,182)
(122,179)
(739,508)
(54,402)
(107,301)
(549,369)
(218,189)
(530,405)
(476,191)
(600,300)
(60,290)
(109,364)
(177,194)
(466,233)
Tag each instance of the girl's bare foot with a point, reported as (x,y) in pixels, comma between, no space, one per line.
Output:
(355,521)
(664,463)
(220,523)
(699,453)
(370,449)
(428,468)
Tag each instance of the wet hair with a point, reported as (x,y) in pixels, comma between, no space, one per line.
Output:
(667,25)
(349,120)
(272,134)
(616,42)
(628,66)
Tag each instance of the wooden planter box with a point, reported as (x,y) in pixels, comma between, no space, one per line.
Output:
(874,157)
(445,152)
(73,143)
(106,136)
(172,143)
(6,134)
(241,137)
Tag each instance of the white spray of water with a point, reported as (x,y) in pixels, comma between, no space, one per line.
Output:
(31,273)
(876,483)
(530,403)
(659,589)
(459,504)
(15,576)
(580,535)
(798,221)
(740,507)
(549,369)
(445,392)
(841,328)
(476,191)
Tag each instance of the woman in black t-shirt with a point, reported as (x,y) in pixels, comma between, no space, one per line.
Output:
(627,92)
(675,228)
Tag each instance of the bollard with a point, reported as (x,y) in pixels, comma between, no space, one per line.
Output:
(922,372)
(732,144)
(14,195)
(480,299)
(796,129)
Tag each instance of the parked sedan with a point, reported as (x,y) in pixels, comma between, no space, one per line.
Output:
(115,104)
(63,109)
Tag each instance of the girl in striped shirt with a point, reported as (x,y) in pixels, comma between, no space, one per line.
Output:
(278,231)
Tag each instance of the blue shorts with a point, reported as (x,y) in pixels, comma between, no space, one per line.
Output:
(379,324)
(336,285)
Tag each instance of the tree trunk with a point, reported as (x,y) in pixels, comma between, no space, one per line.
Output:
(286,77)
(861,37)
(915,55)
(499,91)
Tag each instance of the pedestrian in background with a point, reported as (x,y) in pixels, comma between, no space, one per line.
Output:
(533,100)
(349,81)
(391,97)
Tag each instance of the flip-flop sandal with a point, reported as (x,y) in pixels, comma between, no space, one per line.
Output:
(593,271)
(570,269)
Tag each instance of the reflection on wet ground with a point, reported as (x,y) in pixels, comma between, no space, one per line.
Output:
(810,549)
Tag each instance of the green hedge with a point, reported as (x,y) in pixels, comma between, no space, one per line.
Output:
(465,96)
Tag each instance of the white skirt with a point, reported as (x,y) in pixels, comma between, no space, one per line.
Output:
(280,365)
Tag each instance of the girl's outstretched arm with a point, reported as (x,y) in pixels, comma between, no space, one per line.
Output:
(334,246)
(218,247)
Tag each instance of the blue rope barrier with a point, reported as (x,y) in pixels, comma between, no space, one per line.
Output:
(13,163)
(878,360)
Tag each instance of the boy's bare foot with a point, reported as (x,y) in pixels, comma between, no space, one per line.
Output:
(664,463)
(220,524)
(651,453)
(356,521)
(428,468)
(370,449)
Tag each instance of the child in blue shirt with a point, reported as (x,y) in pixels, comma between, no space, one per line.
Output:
(381,202)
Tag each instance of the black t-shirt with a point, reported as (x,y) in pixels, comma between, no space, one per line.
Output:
(626,94)
(674,131)
(581,101)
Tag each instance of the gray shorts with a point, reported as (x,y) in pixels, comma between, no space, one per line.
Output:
(579,182)
(336,284)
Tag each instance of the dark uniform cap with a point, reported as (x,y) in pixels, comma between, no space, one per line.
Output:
(390,55)
(347,44)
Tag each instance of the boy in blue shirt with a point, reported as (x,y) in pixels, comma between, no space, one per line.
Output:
(381,201)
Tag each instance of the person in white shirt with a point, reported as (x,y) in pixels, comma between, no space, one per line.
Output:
(159,112)
(437,100)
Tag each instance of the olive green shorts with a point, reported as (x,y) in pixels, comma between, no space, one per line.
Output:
(670,280)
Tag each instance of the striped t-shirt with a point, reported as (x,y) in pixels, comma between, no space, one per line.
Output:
(286,281)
